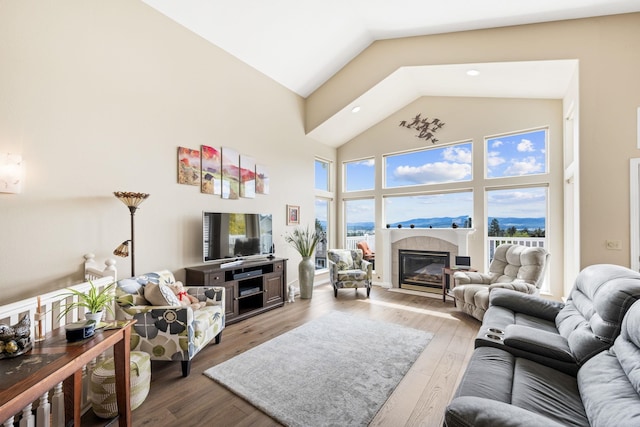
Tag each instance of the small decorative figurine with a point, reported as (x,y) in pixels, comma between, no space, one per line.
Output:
(15,340)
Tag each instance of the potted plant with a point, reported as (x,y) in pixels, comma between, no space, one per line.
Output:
(95,301)
(304,241)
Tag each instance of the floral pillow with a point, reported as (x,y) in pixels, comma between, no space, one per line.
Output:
(160,295)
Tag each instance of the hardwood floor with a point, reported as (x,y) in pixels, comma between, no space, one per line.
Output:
(419,399)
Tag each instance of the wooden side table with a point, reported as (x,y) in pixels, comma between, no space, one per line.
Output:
(448,272)
(54,360)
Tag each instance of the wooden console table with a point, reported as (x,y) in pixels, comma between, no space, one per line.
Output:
(25,378)
(448,272)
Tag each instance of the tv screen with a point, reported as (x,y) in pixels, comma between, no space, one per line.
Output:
(235,235)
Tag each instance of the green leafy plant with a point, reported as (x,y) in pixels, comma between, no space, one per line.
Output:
(304,240)
(94,300)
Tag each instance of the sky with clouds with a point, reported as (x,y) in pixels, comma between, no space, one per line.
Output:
(506,156)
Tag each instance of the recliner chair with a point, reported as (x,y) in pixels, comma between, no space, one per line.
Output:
(515,267)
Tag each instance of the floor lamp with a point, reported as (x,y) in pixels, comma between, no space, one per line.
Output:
(132,201)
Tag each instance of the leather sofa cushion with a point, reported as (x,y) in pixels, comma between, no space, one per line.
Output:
(548,392)
(497,375)
(592,317)
(610,381)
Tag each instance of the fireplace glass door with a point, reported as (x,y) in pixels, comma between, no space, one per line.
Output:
(422,270)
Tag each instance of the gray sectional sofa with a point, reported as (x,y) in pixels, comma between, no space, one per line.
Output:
(545,363)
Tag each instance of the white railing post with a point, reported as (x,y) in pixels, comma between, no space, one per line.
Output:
(27,419)
(57,406)
(43,413)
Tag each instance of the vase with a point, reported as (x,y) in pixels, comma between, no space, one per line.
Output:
(97,317)
(306,272)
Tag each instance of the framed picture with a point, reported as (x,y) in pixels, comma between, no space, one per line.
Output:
(293,215)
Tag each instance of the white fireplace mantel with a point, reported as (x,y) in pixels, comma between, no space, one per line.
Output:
(455,236)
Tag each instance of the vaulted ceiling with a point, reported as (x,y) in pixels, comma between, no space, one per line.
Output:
(302,43)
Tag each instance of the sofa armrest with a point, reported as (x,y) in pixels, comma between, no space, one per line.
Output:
(539,342)
(333,271)
(211,295)
(470,411)
(519,302)
(368,267)
(467,277)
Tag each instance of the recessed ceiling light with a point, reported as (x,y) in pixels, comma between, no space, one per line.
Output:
(473,73)
(355,109)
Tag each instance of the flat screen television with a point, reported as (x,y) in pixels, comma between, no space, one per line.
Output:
(231,236)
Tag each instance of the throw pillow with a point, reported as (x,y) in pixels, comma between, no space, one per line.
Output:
(130,286)
(160,295)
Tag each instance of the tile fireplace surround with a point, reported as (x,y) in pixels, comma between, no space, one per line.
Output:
(454,241)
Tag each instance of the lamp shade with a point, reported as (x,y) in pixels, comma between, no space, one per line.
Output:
(122,250)
(130,198)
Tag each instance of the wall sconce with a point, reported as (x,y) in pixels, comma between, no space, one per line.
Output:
(11,173)
(131,200)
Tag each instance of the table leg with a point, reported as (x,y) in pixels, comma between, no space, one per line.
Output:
(121,353)
(444,286)
(72,387)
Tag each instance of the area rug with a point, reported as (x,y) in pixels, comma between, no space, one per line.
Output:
(336,370)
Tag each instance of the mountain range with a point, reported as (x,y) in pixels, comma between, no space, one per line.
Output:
(446,222)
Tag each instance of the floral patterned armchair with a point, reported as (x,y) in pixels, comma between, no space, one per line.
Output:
(165,328)
(347,269)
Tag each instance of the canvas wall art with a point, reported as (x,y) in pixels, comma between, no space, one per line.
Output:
(262,179)
(211,170)
(230,173)
(247,177)
(188,166)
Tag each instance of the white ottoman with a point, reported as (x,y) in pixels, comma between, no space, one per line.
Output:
(102,390)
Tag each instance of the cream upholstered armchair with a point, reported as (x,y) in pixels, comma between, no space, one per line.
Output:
(515,267)
(347,269)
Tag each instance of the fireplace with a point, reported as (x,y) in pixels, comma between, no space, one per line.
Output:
(451,240)
(421,270)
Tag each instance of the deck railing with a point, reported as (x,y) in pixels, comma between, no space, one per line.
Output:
(531,242)
(352,241)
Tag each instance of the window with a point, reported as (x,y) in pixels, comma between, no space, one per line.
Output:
(517,215)
(360,220)
(359,175)
(322,229)
(440,210)
(322,169)
(516,154)
(323,200)
(431,166)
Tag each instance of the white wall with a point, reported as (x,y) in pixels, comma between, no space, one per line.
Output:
(97,96)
